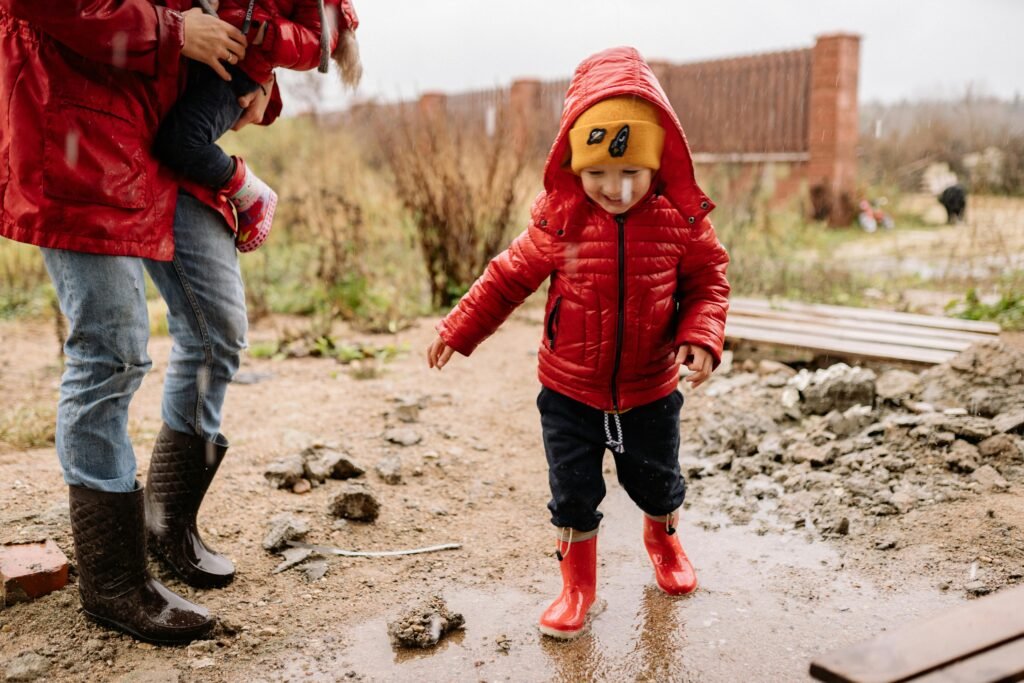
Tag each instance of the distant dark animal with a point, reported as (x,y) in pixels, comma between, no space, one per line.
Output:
(954,199)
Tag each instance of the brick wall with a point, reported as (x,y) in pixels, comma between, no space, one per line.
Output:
(794,107)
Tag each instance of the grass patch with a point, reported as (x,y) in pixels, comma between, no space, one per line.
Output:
(24,282)
(1007,309)
(29,427)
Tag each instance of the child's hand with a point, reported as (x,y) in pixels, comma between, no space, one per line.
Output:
(254,105)
(438,353)
(697,360)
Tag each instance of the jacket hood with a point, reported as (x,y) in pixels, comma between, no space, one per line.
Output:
(611,73)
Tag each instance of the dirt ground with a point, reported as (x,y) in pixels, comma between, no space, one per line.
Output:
(770,600)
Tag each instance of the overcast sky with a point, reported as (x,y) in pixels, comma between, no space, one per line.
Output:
(910,48)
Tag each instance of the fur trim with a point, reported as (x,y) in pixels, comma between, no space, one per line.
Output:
(346,56)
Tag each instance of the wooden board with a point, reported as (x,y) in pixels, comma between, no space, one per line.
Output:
(839,347)
(949,638)
(854,332)
(862,325)
(851,312)
(1004,664)
(825,329)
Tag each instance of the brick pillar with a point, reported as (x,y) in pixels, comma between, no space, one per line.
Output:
(524,109)
(832,133)
(432,105)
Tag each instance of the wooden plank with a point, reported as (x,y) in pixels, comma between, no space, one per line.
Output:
(1004,664)
(920,648)
(897,328)
(850,312)
(830,344)
(843,334)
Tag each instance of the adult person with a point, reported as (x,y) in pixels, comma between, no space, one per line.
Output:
(83,87)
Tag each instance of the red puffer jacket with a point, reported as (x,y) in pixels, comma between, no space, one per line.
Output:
(83,87)
(626,291)
(292,39)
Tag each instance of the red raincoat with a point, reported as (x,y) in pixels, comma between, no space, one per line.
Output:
(292,39)
(625,291)
(83,87)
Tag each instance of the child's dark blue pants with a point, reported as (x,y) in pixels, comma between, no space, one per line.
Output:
(575,443)
(187,138)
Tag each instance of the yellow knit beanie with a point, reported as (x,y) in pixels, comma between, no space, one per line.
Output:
(625,129)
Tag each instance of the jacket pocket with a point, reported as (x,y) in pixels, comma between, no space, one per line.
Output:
(551,324)
(94,157)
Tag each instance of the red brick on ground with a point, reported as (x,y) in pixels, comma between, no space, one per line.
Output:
(31,570)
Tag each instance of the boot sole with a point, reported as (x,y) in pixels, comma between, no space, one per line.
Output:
(595,609)
(198,633)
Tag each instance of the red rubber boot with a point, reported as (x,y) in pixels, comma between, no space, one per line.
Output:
(566,617)
(254,203)
(672,568)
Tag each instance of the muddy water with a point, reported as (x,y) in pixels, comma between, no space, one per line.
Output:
(766,606)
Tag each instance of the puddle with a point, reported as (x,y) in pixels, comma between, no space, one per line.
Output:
(766,605)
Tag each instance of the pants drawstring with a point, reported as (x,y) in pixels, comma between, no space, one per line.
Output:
(614,444)
(568,546)
(669,526)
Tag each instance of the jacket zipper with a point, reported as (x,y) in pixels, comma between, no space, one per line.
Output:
(621,323)
(552,321)
(247,23)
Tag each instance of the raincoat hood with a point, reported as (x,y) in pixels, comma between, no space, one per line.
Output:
(611,73)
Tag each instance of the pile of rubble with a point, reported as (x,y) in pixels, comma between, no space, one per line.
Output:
(835,449)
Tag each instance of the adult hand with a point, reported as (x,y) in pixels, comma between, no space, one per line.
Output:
(439,353)
(698,361)
(254,105)
(210,40)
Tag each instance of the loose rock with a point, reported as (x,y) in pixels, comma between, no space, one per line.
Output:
(315,570)
(838,387)
(962,457)
(990,479)
(323,462)
(28,666)
(284,527)
(977,588)
(1010,422)
(355,502)
(897,385)
(424,624)
(390,470)
(285,473)
(1000,447)
(404,436)
(408,412)
(292,557)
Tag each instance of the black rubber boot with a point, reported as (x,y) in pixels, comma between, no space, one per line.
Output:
(113,582)
(180,472)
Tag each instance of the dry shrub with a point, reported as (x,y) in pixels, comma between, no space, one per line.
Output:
(460,185)
(340,247)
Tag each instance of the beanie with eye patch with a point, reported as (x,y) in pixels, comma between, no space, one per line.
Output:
(625,130)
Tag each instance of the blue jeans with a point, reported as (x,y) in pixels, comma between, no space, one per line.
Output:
(104,299)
